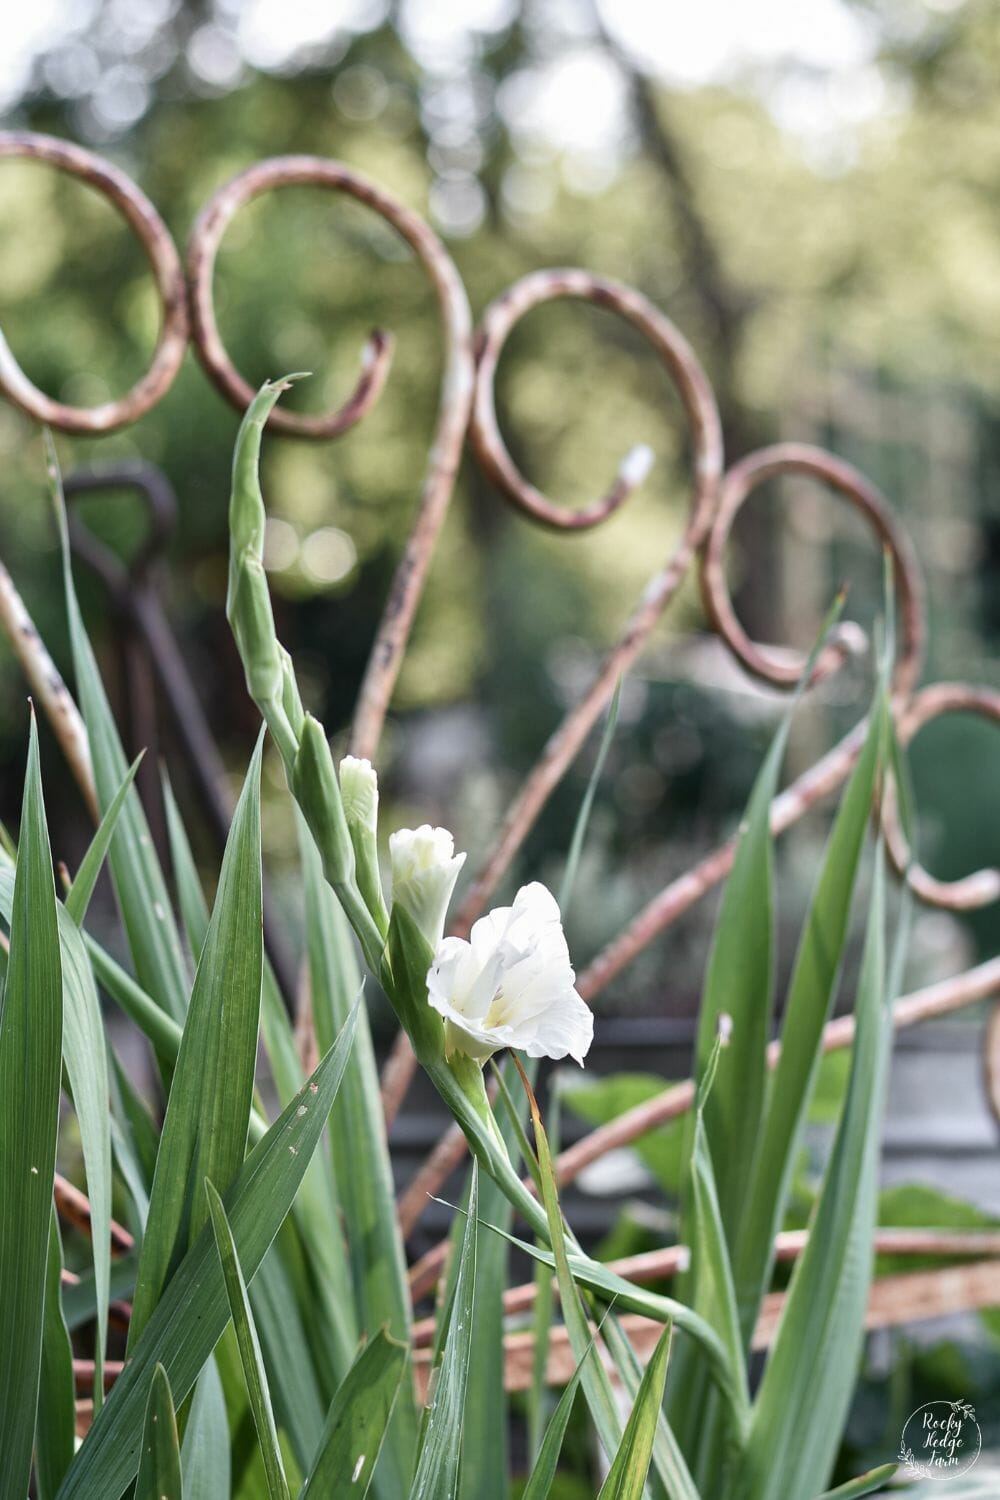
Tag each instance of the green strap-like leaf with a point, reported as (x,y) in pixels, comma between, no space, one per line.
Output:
(594,1378)
(79,894)
(138,880)
(205,1465)
(249,1346)
(739,981)
(194,907)
(85,1059)
(672,1476)
(438,1466)
(30,1075)
(358,1421)
(714,1292)
(211,1093)
(627,1477)
(813,1361)
(543,1470)
(865,1484)
(159,1476)
(357,1125)
(286,1314)
(55,1432)
(810,999)
(194,1310)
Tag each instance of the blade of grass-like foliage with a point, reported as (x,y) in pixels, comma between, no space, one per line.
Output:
(30,1073)
(357,1126)
(739,980)
(159,1476)
(138,880)
(281,1317)
(211,1093)
(587,805)
(359,1151)
(134,1141)
(672,1477)
(499,1212)
(55,1430)
(279,1040)
(279,1322)
(485,1466)
(541,1316)
(358,1420)
(440,1455)
(811,993)
(85,1059)
(190,896)
(79,894)
(194,1311)
(545,1463)
(594,1378)
(627,1477)
(865,1484)
(714,1292)
(249,1346)
(205,1466)
(813,1362)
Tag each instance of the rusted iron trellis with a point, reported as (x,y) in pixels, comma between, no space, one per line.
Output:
(467,407)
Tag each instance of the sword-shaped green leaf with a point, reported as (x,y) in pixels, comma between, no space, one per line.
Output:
(79,894)
(30,1073)
(85,1059)
(438,1465)
(211,1093)
(55,1433)
(739,981)
(865,1484)
(627,1476)
(205,1462)
(138,880)
(159,1476)
(811,994)
(813,1362)
(249,1347)
(594,1378)
(194,1310)
(358,1420)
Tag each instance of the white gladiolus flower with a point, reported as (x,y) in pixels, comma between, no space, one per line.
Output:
(424,870)
(512,984)
(359,792)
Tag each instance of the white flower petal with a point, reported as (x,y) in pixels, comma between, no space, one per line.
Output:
(512,984)
(424,870)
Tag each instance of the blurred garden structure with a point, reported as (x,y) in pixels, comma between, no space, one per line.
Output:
(840,319)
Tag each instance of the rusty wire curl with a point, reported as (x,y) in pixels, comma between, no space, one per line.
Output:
(705,432)
(676,353)
(982,887)
(164,261)
(784,668)
(203,247)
